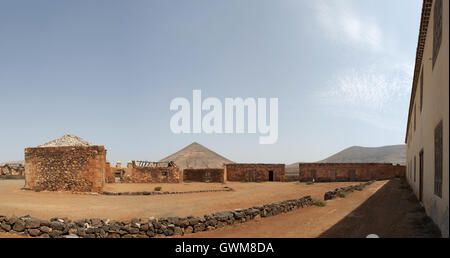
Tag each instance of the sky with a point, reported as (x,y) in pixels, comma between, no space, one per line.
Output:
(108,70)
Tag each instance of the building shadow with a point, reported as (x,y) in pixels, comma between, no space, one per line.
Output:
(392,212)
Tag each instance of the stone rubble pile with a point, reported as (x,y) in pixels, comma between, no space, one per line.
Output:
(143,228)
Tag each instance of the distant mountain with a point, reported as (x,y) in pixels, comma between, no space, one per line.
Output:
(395,154)
(387,154)
(196,155)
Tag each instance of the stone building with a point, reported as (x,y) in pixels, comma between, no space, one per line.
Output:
(65,164)
(348,172)
(207,175)
(255,172)
(427,133)
(109,173)
(12,170)
(151,172)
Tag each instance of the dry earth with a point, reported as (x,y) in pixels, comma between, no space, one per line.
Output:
(46,205)
(385,208)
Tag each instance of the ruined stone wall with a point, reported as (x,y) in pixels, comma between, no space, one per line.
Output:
(136,174)
(109,173)
(74,168)
(12,171)
(254,172)
(342,172)
(207,175)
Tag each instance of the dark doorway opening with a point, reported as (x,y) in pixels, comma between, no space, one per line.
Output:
(118,175)
(251,176)
(313,175)
(421,175)
(207,177)
(270,176)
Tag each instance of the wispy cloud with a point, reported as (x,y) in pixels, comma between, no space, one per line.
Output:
(369,88)
(342,24)
(370,95)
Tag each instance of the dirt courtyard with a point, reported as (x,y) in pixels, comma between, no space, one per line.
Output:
(46,205)
(386,208)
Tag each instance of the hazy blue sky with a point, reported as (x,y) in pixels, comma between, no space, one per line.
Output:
(107,71)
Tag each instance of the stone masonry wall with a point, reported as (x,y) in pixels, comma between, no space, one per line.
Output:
(136,174)
(109,173)
(342,172)
(216,175)
(254,172)
(74,168)
(12,171)
(146,227)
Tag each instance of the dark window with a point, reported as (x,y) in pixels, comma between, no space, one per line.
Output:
(437,33)
(414,118)
(313,174)
(421,175)
(414,168)
(421,91)
(410,169)
(438,159)
(164,173)
(271,176)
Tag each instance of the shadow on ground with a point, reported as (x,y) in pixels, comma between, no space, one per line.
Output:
(392,212)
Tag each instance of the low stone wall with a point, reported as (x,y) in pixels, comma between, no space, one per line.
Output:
(225,189)
(207,175)
(136,174)
(345,172)
(74,168)
(333,194)
(255,172)
(144,228)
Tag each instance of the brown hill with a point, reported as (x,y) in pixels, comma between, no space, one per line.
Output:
(196,155)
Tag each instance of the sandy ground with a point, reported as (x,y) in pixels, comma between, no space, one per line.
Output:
(165,187)
(45,205)
(385,208)
(9,235)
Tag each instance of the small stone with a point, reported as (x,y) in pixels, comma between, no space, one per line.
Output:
(177,231)
(12,220)
(34,232)
(55,233)
(46,229)
(188,230)
(32,223)
(19,226)
(5,226)
(72,236)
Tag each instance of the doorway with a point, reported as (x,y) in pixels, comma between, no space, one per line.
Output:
(270,176)
(118,176)
(421,175)
(251,176)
